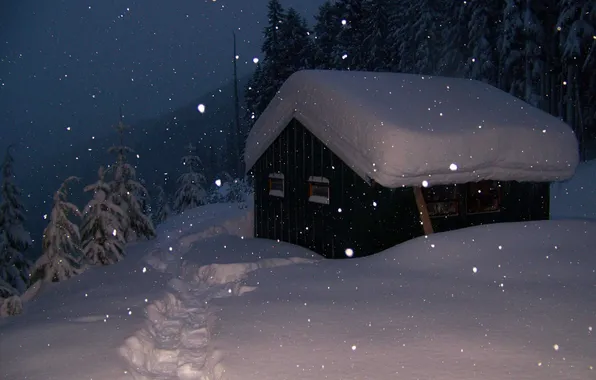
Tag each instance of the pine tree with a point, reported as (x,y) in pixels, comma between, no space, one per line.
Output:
(61,244)
(427,38)
(190,193)
(577,27)
(102,232)
(124,190)
(144,199)
(254,97)
(14,239)
(6,290)
(272,45)
(377,40)
(298,52)
(327,27)
(482,40)
(269,74)
(162,207)
(272,70)
(404,49)
(350,53)
(454,49)
(511,47)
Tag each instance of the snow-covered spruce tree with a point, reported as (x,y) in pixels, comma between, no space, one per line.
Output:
(190,193)
(511,46)
(427,37)
(219,189)
(162,207)
(404,50)
(298,53)
(377,35)
(454,36)
(577,27)
(11,306)
(144,199)
(6,290)
(239,191)
(270,75)
(350,52)
(326,29)
(102,233)
(61,244)
(14,239)
(124,189)
(483,26)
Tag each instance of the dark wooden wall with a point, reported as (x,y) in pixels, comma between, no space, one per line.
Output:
(360,225)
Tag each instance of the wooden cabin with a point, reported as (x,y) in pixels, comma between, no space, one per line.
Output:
(351,163)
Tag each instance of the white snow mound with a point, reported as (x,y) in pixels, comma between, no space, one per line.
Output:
(401,129)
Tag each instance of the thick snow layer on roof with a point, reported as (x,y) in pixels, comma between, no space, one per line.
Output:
(402,129)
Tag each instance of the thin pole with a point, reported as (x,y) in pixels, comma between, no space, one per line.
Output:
(237,115)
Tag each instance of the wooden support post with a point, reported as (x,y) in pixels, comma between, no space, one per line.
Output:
(423,210)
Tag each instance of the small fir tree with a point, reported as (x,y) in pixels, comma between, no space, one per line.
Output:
(124,191)
(144,199)
(61,246)
(14,239)
(190,193)
(102,231)
(6,290)
(162,207)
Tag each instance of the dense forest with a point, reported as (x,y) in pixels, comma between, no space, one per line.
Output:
(541,51)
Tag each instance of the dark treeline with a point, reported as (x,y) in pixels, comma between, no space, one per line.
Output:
(541,51)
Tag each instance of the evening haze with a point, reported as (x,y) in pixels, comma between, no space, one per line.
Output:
(66,66)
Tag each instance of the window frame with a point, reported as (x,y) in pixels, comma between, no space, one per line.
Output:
(276,192)
(472,190)
(437,201)
(322,182)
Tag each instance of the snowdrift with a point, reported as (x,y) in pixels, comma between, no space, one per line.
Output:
(491,302)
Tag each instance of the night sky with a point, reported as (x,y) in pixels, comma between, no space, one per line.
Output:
(67,66)
(72,63)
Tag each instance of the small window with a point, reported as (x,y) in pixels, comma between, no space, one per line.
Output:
(483,197)
(441,200)
(276,185)
(318,190)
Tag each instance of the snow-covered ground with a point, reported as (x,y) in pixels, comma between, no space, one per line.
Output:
(576,197)
(206,301)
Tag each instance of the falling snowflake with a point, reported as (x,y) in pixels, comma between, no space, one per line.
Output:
(201,108)
(349,252)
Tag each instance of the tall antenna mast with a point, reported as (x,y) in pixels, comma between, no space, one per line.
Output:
(121,127)
(237,114)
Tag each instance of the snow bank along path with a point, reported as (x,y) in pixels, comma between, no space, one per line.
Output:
(174,343)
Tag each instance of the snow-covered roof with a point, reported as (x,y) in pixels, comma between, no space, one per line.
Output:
(402,129)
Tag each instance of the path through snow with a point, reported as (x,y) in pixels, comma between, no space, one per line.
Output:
(174,343)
